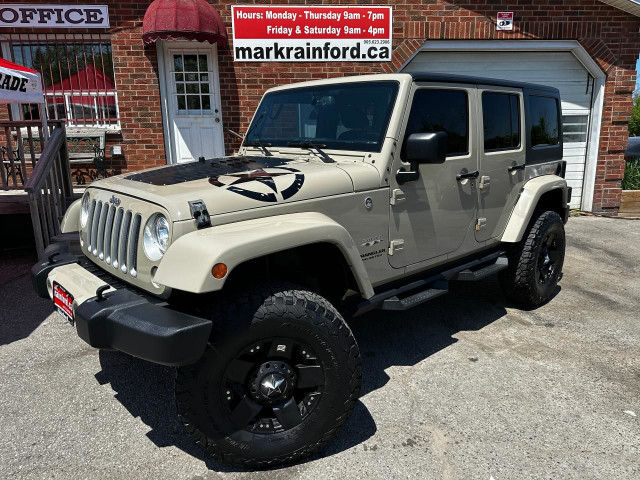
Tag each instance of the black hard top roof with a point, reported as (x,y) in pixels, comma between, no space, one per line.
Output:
(446,77)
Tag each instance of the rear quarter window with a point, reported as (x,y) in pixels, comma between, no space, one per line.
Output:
(543,113)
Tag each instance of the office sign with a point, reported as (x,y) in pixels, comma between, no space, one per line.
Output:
(54,16)
(311,33)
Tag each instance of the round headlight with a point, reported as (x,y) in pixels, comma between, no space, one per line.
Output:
(84,212)
(156,237)
(162,232)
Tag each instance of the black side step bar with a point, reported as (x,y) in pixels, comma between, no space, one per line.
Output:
(422,290)
(437,288)
(470,275)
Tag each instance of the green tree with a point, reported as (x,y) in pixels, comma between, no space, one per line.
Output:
(634,121)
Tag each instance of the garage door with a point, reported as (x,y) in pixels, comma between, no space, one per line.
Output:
(557,69)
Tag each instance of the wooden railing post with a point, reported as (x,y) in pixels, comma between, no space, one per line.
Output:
(45,191)
(65,166)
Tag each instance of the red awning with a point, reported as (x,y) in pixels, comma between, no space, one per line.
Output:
(188,19)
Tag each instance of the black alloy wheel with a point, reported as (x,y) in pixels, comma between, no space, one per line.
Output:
(272,386)
(548,259)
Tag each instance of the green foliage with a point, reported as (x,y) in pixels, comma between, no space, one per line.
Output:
(631,180)
(634,121)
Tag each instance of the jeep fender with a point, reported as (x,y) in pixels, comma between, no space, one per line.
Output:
(188,261)
(527,203)
(71,220)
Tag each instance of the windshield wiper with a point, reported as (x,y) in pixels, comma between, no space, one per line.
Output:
(316,146)
(263,146)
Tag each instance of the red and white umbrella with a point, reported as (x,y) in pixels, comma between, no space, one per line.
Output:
(19,84)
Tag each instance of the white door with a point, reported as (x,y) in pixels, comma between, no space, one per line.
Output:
(557,69)
(193,103)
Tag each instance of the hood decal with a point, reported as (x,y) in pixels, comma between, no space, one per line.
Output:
(187,172)
(233,180)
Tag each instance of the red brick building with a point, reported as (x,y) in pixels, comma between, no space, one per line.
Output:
(107,79)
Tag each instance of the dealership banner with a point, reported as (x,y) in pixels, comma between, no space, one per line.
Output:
(311,33)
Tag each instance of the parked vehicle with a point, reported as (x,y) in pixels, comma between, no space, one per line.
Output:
(347,195)
(633,148)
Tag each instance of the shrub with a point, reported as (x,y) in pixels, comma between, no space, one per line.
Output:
(631,180)
(634,121)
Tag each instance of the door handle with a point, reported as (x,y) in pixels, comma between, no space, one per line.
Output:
(513,168)
(464,176)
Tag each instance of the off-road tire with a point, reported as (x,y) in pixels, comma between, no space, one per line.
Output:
(272,311)
(520,281)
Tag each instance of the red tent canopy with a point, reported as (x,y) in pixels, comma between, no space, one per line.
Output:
(89,79)
(189,19)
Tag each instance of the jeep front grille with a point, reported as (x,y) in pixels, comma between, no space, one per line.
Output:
(112,236)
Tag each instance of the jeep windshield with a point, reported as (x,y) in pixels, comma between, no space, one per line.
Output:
(343,116)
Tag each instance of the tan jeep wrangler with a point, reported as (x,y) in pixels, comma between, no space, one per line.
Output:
(347,195)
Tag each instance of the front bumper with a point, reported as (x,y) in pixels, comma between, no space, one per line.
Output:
(121,319)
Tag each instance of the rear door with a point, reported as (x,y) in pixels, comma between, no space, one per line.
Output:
(502,157)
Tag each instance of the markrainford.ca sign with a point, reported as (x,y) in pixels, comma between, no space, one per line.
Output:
(311,33)
(54,16)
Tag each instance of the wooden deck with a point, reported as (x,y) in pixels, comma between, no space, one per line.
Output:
(17,201)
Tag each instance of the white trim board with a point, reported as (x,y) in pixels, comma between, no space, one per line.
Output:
(581,55)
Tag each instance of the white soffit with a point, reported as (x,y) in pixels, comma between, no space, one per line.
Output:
(629,6)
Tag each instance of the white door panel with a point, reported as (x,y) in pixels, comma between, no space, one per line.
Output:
(193,103)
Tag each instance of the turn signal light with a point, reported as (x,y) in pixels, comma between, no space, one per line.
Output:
(219,270)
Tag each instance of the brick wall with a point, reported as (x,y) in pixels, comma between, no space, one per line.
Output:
(608,34)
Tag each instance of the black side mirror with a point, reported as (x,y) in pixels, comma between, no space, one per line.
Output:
(428,147)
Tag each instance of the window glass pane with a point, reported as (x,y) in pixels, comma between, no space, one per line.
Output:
(202,60)
(436,110)
(190,63)
(193,102)
(351,116)
(180,87)
(500,114)
(543,112)
(204,77)
(182,103)
(76,73)
(206,102)
(574,128)
(177,63)
(192,88)
(179,77)
(191,77)
(204,87)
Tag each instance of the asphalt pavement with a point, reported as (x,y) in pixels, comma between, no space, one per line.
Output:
(463,387)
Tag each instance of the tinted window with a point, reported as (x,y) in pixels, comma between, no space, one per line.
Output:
(501,121)
(543,112)
(346,116)
(440,111)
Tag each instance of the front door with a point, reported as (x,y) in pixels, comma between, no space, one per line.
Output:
(502,158)
(431,216)
(193,101)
